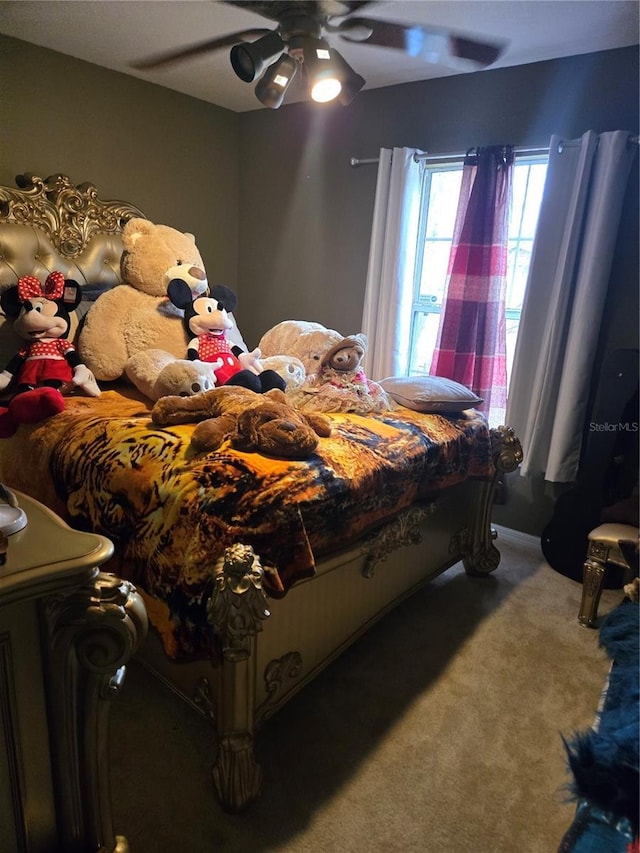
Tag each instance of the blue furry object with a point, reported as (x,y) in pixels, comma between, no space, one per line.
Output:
(593,831)
(619,633)
(605,762)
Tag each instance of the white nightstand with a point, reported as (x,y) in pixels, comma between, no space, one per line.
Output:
(66,632)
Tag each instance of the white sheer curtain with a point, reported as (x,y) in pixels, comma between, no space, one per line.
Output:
(387,304)
(566,293)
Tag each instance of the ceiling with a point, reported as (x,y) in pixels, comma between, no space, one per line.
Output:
(116,34)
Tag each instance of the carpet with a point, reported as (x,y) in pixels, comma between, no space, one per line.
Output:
(440,730)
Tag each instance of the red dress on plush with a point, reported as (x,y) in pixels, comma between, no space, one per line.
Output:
(45,360)
(213,347)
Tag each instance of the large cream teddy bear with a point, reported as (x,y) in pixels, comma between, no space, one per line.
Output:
(133,331)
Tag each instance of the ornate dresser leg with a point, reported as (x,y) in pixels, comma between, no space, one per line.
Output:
(236,609)
(90,634)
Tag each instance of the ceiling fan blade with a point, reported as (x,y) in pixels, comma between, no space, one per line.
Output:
(431,44)
(163,59)
(353,6)
(277,9)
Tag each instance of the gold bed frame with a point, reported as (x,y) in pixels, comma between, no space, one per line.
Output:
(269,648)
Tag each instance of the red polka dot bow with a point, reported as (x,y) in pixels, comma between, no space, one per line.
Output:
(29,286)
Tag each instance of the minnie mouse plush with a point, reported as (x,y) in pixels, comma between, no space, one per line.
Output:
(206,319)
(48,362)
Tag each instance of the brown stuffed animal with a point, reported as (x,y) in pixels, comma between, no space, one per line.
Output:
(264,423)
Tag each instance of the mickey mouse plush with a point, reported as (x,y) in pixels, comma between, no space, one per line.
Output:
(43,367)
(206,319)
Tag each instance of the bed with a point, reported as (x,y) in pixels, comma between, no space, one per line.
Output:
(255,572)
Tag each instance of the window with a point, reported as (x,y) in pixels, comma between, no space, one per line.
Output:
(440,192)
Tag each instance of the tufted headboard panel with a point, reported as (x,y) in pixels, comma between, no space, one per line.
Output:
(27,250)
(51,224)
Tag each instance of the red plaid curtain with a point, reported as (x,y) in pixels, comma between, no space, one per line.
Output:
(471,344)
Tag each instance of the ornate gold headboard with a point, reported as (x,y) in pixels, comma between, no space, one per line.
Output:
(50,223)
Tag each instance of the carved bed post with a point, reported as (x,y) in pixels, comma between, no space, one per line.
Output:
(89,636)
(479,555)
(236,609)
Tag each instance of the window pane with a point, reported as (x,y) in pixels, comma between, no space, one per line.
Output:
(424,335)
(520,179)
(518,266)
(441,192)
(434,269)
(512,334)
(537,177)
(443,203)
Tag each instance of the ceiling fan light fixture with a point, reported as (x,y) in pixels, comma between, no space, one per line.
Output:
(249,59)
(272,86)
(351,81)
(325,89)
(322,75)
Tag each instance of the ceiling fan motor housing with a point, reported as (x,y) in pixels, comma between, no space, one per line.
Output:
(300,25)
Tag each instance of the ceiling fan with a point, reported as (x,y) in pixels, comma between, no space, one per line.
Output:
(299,44)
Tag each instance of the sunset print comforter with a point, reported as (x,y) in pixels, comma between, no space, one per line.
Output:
(104,466)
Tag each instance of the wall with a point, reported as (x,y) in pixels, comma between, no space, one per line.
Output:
(172,156)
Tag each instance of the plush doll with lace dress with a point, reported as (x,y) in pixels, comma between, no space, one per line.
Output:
(341,385)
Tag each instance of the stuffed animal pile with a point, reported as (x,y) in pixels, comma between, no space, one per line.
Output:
(137,315)
(138,330)
(174,337)
(47,366)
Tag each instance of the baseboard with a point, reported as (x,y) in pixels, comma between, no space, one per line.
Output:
(518,536)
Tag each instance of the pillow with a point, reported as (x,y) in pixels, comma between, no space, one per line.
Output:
(93,289)
(430,393)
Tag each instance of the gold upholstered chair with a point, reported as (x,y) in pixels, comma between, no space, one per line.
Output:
(610,544)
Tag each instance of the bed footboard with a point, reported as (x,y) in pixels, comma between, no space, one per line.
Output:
(475,543)
(253,682)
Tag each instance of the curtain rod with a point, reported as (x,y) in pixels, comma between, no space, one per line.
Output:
(426,157)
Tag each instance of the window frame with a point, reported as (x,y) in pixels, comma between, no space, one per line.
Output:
(428,305)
